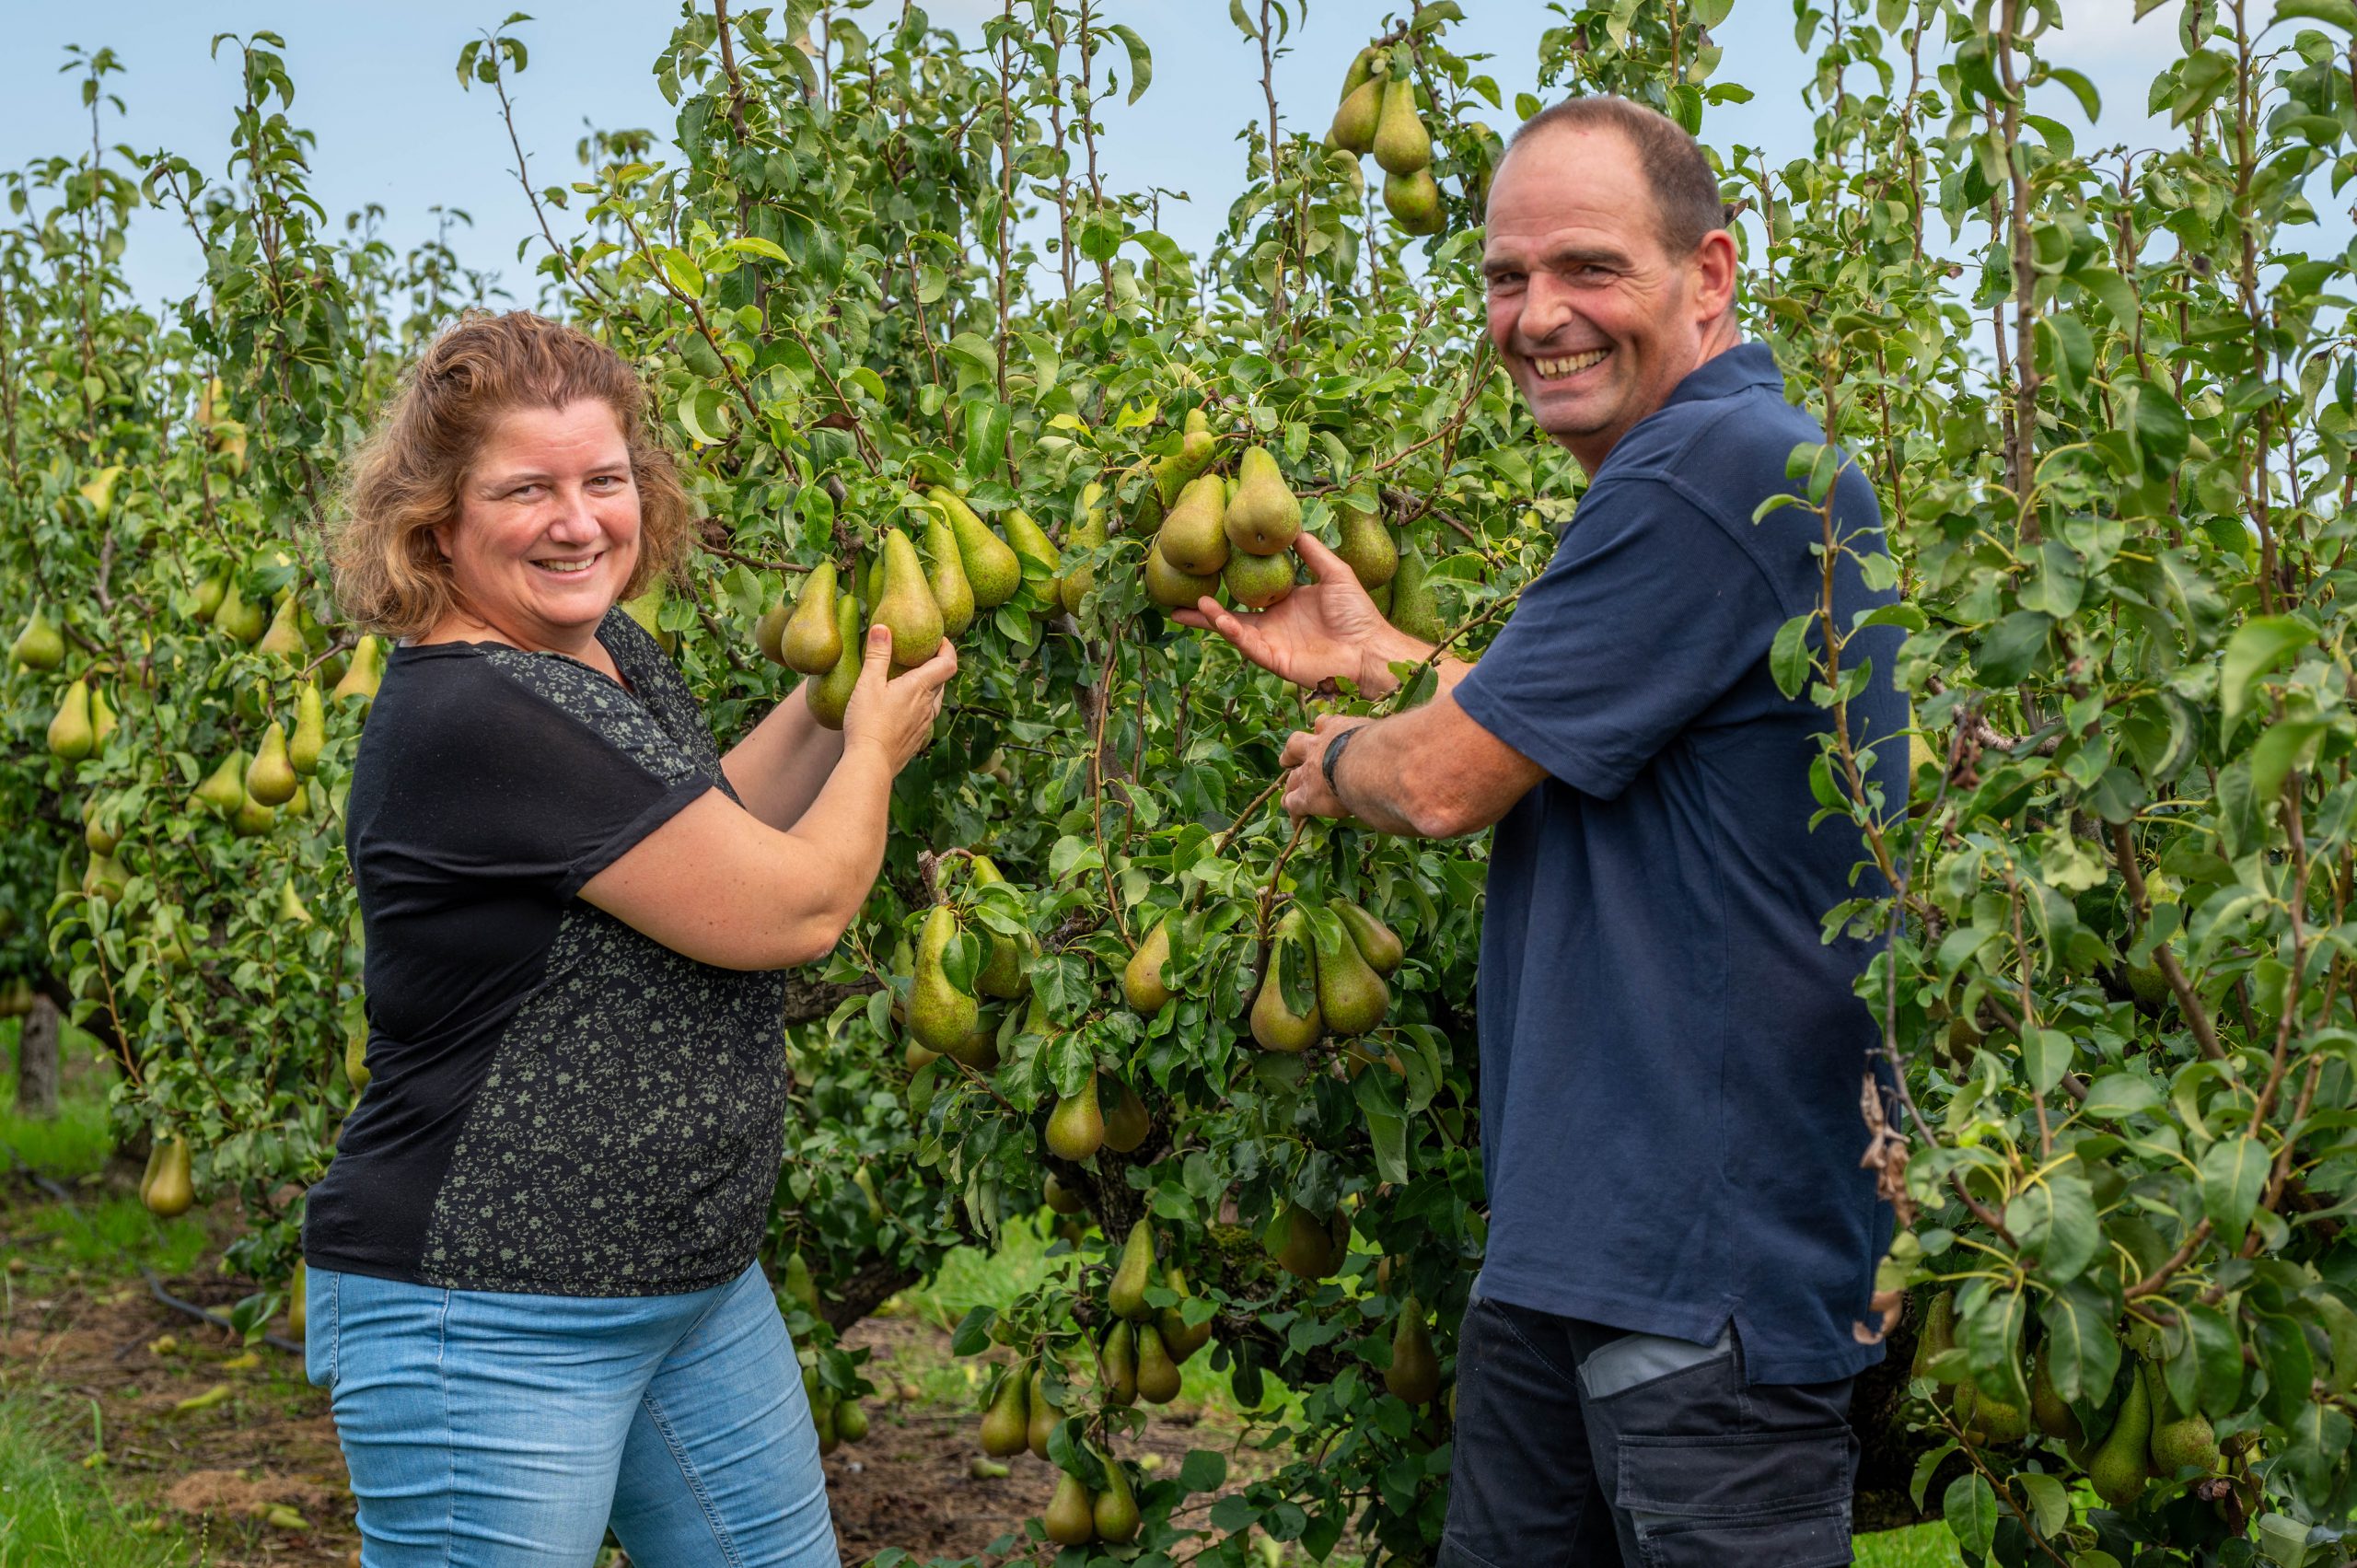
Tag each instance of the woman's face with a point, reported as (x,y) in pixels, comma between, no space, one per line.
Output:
(547,532)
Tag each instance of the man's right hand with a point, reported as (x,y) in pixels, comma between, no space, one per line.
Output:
(1327,630)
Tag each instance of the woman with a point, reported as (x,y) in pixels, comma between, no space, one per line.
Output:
(533,1290)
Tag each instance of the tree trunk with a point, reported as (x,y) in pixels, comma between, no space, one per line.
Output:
(37,1062)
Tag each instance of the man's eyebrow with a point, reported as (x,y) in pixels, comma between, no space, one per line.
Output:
(1568,255)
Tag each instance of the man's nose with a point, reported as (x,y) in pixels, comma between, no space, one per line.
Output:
(1546,305)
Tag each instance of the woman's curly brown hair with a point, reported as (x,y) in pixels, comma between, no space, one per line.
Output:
(404,480)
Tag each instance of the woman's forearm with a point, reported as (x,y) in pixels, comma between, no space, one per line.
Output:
(840,834)
(779,769)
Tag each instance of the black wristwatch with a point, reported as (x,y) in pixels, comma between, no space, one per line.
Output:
(1334,755)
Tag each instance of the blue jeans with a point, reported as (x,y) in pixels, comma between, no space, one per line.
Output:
(489,1429)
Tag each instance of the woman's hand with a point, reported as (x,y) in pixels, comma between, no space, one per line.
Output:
(896,714)
(1323,631)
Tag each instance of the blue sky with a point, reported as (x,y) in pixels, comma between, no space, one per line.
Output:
(377,83)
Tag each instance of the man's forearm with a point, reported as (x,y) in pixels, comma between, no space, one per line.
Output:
(1374,778)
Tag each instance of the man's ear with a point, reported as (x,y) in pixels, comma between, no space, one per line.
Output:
(1714,274)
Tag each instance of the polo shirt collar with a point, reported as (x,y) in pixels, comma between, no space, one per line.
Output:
(1746,365)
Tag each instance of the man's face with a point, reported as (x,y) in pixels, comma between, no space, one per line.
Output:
(1596,322)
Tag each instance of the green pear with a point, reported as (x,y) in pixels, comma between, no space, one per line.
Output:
(1071,1518)
(1006,1425)
(1115,1511)
(769,631)
(105,879)
(100,833)
(1197,448)
(1402,145)
(285,638)
(355,1056)
(269,778)
(940,1015)
(989,562)
(1121,1364)
(1366,547)
(822,1417)
(851,1421)
(223,789)
(1178,1339)
(2119,1467)
(1351,997)
(310,735)
(799,1284)
(99,490)
(1126,1297)
(1142,982)
(945,575)
(252,819)
(1414,610)
(236,620)
(172,1192)
(979,1050)
(1414,1373)
(1002,974)
(70,737)
(206,597)
(154,1160)
(2177,1441)
(1086,534)
(2047,1407)
(1170,588)
(1157,1370)
(1364,67)
(811,641)
(102,719)
(906,607)
(1302,1245)
(829,696)
(1378,942)
(1194,536)
(1257,581)
(40,645)
(1413,202)
(1060,1198)
(1031,543)
(1076,1127)
(366,673)
(1355,119)
(1265,515)
(1275,1023)
(1045,1415)
(1126,1123)
(291,912)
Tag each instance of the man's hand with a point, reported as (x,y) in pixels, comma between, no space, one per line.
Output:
(1328,630)
(1307,793)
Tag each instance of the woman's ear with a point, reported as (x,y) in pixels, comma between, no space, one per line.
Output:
(441,532)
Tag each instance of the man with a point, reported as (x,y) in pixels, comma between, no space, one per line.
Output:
(1655,1365)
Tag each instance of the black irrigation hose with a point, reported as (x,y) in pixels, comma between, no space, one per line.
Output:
(155,1286)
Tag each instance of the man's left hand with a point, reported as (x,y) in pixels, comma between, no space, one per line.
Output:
(1307,793)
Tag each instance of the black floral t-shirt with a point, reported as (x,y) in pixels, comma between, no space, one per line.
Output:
(556,1103)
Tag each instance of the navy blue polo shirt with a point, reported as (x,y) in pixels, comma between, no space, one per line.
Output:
(1671,1055)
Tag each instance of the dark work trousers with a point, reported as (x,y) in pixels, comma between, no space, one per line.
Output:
(1583,1446)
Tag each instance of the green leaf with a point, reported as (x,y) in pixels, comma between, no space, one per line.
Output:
(2217,1350)
(2341,13)
(2082,1353)
(1970,1508)
(2049,1502)
(1389,1136)
(2090,102)
(1205,1470)
(2010,647)
(2256,648)
(1992,1338)
(1141,59)
(2046,1056)
(2233,1174)
(685,276)
(2284,746)
(1789,656)
(2116,1095)
(2055,1219)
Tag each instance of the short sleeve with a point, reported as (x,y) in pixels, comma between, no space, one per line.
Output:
(1646,616)
(520,771)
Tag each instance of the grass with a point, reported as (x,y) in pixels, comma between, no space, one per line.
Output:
(56,1513)
(1925,1545)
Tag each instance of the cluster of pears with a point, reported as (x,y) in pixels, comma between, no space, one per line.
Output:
(79,727)
(1144,1349)
(1315,987)
(166,1187)
(1377,114)
(1234,533)
(1395,578)
(2149,1438)
(967,569)
(838,1420)
(943,1020)
(1019,1418)
(247,792)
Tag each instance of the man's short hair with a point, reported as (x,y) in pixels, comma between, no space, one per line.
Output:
(1685,187)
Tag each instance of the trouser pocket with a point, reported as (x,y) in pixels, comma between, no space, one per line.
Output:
(322,1299)
(1765,1500)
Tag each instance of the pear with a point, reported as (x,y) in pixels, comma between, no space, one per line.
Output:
(223,789)
(310,730)
(1076,1127)
(822,1417)
(1413,202)
(40,645)
(1121,1364)
(1265,515)
(155,1163)
(1366,547)
(252,819)
(285,638)
(1197,446)
(355,1057)
(297,1301)
(1382,600)
(70,738)
(1126,1297)
(946,577)
(1071,1518)
(1355,119)
(851,1421)
(1157,1371)
(1351,997)
(1170,588)
(1179,1339)
(236,620)
(99,490)
(291,912)
(1413,609)
(102,719)
(979,1050)
(1006,1425)
(1142,983)
(206,597)
(830,693)
(1045,1415)
(1275,1024)
(1086,533)
(1364,67)
(367,672)
(1116,1510)
(769,631)
(2047,1407)
(1031,543)
(2119,1467)
(300,803)
(940,1015)
(269,778)
(105,879)
(1194,536)
(1999,1424)
(811,641)
(1301,1245)
(1061,1198)
(1126,1123)
(906,605)
(99,828)
(990,563)
(2177,1444)
(1257,581)
(1414,1373)
(1936,1337)
(1402,145)
(173,1190)
(1378,942)
(1001,975)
